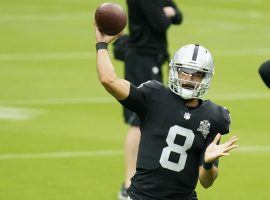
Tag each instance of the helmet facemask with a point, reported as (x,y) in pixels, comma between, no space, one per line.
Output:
(184,62)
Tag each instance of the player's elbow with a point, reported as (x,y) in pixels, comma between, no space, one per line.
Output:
(207,185)
(106,81)
(207,180)
(107,84)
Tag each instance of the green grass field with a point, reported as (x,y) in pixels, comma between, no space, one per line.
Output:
(61,134)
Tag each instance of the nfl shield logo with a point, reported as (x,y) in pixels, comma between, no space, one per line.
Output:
(187,116)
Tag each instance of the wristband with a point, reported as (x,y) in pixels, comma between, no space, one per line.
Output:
(207,166)
(101,45)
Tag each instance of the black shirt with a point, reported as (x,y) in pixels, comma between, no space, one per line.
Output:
(148,25)
(173,141)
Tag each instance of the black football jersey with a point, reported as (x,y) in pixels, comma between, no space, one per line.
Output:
(173,140)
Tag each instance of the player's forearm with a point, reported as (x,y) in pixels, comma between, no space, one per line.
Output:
(119,88)
(105,69)
(207,177)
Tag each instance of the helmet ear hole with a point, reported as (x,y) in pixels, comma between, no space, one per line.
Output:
(191,59)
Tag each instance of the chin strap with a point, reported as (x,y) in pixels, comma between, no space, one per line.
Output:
(187,100)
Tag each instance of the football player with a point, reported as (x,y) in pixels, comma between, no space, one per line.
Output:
(264,72)
(146,52)
(180,132)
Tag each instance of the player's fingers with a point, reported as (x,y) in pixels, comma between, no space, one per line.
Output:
(97,31)
(121,33)
(217,138)
(231,141)
(110,38)
(113,37)
(231,147)
(234,137)
(225,154)
(234,140)
(95,27)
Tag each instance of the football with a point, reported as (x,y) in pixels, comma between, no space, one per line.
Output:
(110,18)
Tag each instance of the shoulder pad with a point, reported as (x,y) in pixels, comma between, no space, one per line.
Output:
(225,119)
(222,118)
(225,113)
(153,84)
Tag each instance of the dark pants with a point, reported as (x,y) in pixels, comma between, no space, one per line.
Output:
(140,68)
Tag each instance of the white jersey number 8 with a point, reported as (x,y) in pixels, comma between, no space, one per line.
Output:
(172,147)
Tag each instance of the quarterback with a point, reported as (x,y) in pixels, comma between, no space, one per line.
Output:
(180,132)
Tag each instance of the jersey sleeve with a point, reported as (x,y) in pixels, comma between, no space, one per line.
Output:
(135,100)
(225,121)
(139,97)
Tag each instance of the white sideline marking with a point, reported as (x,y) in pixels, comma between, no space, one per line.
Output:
(44,17)
(240,1)
(74,154)
(92,54)
(108,100)
(242,52)
(56,101)
(68,154)
(48,56)
(255,149)
(84,16)
(241,96)
(14,113)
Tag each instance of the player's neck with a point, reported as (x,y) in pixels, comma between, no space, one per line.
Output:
(192,103)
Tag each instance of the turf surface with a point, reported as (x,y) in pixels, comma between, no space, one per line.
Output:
(61,134)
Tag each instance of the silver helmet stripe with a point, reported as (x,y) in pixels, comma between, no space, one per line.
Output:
(195,52)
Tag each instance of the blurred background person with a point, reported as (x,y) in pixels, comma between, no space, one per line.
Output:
(264,72)
(147,51)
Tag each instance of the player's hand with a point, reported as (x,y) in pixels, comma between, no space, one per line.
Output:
(215,150)
(169,11)
(102,37)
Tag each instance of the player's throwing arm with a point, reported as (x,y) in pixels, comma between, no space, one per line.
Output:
(119,88)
